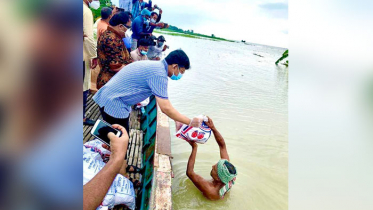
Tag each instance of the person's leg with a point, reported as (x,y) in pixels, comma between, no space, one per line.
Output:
(85,96)
(86,121)
(112,120)
(83,70)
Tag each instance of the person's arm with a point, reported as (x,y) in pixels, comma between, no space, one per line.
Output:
(164,48)
(141,30)
(197,180)
(219,139)
(171,112)
(95,190)
(159,16)
(161,25)
(147,5)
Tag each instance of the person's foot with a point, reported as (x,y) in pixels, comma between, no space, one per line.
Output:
(134,169)
(136,183)
(89,122)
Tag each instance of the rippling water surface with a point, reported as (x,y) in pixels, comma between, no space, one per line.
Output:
(246,96)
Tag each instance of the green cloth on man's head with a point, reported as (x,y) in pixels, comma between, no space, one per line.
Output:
(223,172)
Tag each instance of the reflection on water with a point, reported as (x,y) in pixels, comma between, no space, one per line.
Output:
(246,96)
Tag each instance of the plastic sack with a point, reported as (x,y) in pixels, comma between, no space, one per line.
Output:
(121,191)
(124,192)
(143,103)
(96,146)
(199,135)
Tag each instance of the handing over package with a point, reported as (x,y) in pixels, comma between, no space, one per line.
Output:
(199,135)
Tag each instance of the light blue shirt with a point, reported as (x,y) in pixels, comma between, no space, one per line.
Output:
(131,85)
(126,5)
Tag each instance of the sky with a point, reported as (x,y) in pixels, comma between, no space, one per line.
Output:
(256,21)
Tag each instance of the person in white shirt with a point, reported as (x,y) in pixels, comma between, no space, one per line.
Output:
(155,52)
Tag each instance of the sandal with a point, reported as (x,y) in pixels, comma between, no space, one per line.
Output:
(135,169)
(136,183)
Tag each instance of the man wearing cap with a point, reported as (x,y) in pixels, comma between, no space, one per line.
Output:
(155,52)
(138,26)
(223,173)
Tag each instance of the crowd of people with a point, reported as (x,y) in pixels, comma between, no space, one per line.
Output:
(131,70)
(114,47)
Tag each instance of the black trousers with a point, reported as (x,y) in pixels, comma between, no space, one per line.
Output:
(112,120)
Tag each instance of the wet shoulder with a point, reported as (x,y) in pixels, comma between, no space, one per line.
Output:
(213,193)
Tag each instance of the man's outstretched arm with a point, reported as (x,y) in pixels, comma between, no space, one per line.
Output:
(219,139)
(197,180)
(171,112)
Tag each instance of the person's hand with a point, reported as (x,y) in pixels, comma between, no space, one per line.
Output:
(193,144)
(161,25)
(210,123)
(196,122)
(157,58)
(94,63)
(178,125)
(116,66)
(118,145)
(164,47)
(160,11)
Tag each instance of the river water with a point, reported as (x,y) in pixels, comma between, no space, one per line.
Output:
(246,96)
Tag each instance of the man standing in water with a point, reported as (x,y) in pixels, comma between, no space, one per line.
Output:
(223,173)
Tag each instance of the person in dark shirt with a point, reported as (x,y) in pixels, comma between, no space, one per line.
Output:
(139,25)
(154,20)
(111,51)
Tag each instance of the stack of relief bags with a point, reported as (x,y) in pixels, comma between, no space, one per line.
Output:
(121,191)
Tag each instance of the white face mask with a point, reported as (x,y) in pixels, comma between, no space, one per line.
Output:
(94,5)
(152,20)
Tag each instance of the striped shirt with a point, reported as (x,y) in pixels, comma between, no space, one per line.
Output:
(131,85)
(138,6)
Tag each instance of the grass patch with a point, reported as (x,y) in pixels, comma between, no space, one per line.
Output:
(190,35)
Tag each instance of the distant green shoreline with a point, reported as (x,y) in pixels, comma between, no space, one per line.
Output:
(190,35)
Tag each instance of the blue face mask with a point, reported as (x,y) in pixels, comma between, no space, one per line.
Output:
(174,77)
(143,52)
